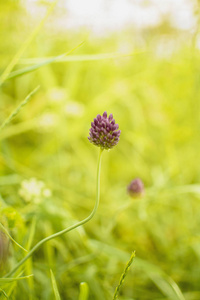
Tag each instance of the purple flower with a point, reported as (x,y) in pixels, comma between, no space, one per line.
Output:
(135,188)
(103,132)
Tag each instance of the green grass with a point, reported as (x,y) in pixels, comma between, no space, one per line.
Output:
(154,96)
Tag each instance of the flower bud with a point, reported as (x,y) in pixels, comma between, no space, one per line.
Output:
(136,188)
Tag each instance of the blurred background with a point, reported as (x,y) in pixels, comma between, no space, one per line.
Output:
(140,61)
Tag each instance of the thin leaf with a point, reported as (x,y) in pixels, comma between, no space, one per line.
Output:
(31,233)
(54,286)
(4,293)
(8,280)
(27,42)
(10,237)
(17,110)
(29,263)
(85,57)
(41,64)
(167,286)
(176,288)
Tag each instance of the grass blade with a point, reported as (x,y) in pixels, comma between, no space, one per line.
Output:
(167,286)
(31,233)
(10,237)
(176,288)
(54,285)
(29,264)
(41,64)
(85,57)
(16,111)
(8,280)
(4,293)
(27,42)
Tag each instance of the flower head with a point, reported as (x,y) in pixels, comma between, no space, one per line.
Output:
(103,132)
(34,190)
(136,188)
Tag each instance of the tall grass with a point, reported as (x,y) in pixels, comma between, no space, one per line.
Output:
(155,98)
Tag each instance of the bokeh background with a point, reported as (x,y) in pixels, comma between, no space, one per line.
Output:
(140,61)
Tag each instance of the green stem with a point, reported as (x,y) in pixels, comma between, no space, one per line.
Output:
(39,244)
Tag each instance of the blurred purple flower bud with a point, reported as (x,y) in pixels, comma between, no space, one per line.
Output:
(136,188)
(110,117)
(105,114)
(103,132)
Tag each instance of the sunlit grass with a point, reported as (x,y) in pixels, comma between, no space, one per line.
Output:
(154,97)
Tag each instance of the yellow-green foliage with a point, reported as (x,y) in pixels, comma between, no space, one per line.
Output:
(48,166)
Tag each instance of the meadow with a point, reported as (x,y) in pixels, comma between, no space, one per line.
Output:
(149,80)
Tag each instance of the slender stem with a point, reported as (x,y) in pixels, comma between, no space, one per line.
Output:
(40,243)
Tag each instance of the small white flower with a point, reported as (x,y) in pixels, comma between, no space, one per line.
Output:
(57,95)
(47,193)
(47,120)
(34,190)
(74,108)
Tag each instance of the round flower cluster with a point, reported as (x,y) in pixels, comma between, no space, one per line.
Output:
(103,132)
(34,190)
